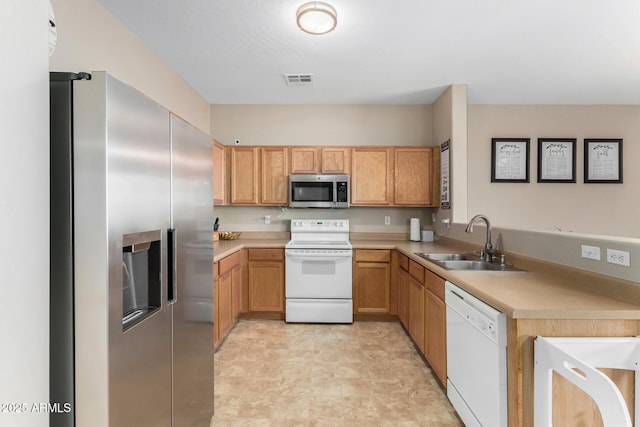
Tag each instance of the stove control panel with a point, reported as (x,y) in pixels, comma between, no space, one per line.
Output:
(320,225)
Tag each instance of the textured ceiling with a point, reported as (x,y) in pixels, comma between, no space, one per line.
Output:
(398,52)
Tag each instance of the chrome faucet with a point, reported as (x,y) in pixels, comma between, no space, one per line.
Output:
(487,252)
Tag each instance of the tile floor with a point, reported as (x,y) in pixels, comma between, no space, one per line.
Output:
(269,373)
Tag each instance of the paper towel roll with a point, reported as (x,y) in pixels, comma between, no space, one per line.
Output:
(414,229)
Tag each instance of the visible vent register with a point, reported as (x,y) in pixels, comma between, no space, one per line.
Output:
(299,79)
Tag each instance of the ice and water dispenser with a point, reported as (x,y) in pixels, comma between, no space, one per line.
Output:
(141,276)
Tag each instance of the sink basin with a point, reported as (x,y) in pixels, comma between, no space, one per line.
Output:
(465,262)
(449,257)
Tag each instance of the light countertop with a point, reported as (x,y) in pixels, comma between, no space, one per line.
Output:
(544,291)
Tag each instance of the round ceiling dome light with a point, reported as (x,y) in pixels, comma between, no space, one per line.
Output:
(316,17)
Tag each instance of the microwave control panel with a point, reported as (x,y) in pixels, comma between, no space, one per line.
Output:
(341,188)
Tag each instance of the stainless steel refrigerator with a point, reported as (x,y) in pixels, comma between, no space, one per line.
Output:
(131,259)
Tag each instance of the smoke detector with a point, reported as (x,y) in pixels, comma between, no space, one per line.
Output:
(299,79)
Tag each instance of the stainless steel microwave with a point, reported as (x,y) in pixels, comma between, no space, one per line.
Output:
(319,191)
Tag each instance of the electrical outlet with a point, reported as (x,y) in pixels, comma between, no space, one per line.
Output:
(267,219)
(387,220)
(615,256)
(591,252)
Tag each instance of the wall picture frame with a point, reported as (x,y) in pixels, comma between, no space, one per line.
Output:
(510,159)
(557,160)
(603,161)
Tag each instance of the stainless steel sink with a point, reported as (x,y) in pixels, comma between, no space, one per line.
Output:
(465,262)
(449,257)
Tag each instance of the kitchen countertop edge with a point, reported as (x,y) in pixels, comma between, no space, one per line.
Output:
(535,295)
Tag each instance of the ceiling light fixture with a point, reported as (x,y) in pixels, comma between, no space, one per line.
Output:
(316,17)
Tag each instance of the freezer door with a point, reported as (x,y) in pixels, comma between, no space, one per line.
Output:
(192,219)
(122,196)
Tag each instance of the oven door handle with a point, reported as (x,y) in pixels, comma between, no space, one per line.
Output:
(317,256)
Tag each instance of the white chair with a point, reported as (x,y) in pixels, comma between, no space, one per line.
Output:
(576,359)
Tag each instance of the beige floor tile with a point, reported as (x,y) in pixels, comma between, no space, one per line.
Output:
(269,373)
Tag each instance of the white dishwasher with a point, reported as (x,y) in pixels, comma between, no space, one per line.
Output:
(476,359)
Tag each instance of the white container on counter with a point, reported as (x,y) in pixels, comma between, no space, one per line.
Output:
(414,229)
(427,235)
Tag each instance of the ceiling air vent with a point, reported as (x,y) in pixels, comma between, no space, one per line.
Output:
(299,79)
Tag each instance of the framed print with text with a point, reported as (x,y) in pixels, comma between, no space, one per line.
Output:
(510,159)
(603,161)
(556,160)
(445,179)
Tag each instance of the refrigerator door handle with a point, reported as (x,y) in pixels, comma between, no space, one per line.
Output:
(172,265)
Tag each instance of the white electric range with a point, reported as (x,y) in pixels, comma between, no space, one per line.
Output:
(319,272)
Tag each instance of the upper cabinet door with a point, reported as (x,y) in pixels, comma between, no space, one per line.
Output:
(336,160)
(275,183)
(218,174)
(244,175)
(416,181)
(305,160)
(371,176)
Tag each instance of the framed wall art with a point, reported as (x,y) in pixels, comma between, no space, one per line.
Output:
(510,159)
(556,160)
(445,179)
(603,161)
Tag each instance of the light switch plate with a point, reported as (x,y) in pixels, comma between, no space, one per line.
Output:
(267,219)
(591,252)
(615,256)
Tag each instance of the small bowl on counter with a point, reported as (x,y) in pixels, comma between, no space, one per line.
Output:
(228,235)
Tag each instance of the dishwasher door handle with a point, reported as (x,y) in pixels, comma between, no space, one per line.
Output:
(458,295)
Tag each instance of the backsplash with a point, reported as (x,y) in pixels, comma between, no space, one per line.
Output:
(557,247)
(362,220)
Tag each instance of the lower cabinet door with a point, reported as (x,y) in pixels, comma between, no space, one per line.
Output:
(416,312)
(224,316)
(266,286)
(436,347)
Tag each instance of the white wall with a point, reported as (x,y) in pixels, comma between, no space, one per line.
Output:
(603,209)
(322,124)
(552,221)
(24,211)
(91,39)
(450,124)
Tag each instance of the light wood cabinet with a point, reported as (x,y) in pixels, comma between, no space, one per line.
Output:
(259,175)
(236,292)
(372,282)
(380,176)
(225,316)
(416,304)
(436,338)
(227,294)
(304,160)
(219,172)
(371,176)
(403,290)
(336,160)
(244,175)
(416,176)
(274,173)
(266,280)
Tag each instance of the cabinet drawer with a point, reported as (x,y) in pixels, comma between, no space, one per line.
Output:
(266,254)
(229,262)
(373,255)
(403,262)
(435,284)
(416,271)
